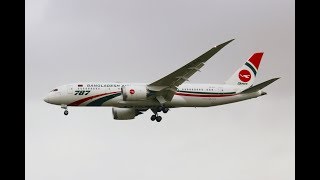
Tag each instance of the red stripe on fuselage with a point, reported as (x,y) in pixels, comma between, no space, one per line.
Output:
(204,95)
(77,103)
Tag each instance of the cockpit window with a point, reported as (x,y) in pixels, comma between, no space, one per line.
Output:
(54,90)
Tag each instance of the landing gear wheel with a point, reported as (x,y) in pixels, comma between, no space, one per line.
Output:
(158,118)
(165,110)
(153,117)
(65,107)
(65,112)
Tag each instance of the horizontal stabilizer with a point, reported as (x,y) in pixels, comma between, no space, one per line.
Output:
(259,86)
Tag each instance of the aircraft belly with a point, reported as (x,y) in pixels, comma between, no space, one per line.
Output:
(180,101)
(230,99)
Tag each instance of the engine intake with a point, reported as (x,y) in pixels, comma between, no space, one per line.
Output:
(124,113)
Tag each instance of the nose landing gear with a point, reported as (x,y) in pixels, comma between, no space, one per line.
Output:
(63,106)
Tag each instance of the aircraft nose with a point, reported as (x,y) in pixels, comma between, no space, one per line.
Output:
(46,99)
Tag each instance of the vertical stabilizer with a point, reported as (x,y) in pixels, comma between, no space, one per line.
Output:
(245,75)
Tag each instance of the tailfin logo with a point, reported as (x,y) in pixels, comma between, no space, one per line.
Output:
(132,91)
(244,75)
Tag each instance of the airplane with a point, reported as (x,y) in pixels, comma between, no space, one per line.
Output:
(129,100)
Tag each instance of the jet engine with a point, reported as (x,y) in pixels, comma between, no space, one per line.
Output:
(134,93)
(124,113)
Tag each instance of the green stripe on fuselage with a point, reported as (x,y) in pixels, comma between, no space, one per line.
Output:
(100,101)
(252,68)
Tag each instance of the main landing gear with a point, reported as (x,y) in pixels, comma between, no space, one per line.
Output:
(63,106)
(155,116)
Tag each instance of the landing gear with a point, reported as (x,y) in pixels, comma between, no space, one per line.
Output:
(66,112)
(155,116)
(165,110)
(63,106)
(158,118)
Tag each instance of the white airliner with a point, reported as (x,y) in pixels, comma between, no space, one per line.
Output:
(129,100)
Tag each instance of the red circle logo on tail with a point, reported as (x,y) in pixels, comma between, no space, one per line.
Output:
(244,75)
(132,91)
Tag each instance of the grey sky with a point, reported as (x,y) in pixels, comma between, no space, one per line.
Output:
(141,41)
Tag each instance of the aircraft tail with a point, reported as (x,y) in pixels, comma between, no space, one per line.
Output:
(245,75)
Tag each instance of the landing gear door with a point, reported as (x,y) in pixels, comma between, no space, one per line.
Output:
(70,89)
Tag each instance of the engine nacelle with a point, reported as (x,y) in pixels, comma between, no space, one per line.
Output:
(123,113)
(134,93)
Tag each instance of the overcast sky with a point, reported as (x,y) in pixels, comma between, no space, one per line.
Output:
(141,41)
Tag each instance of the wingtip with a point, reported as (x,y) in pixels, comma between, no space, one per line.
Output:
(274,79)
(229,41)
(225,43)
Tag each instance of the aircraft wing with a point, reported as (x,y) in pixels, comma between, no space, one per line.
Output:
(164,88)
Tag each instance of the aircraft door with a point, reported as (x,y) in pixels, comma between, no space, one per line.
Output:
(70,89)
